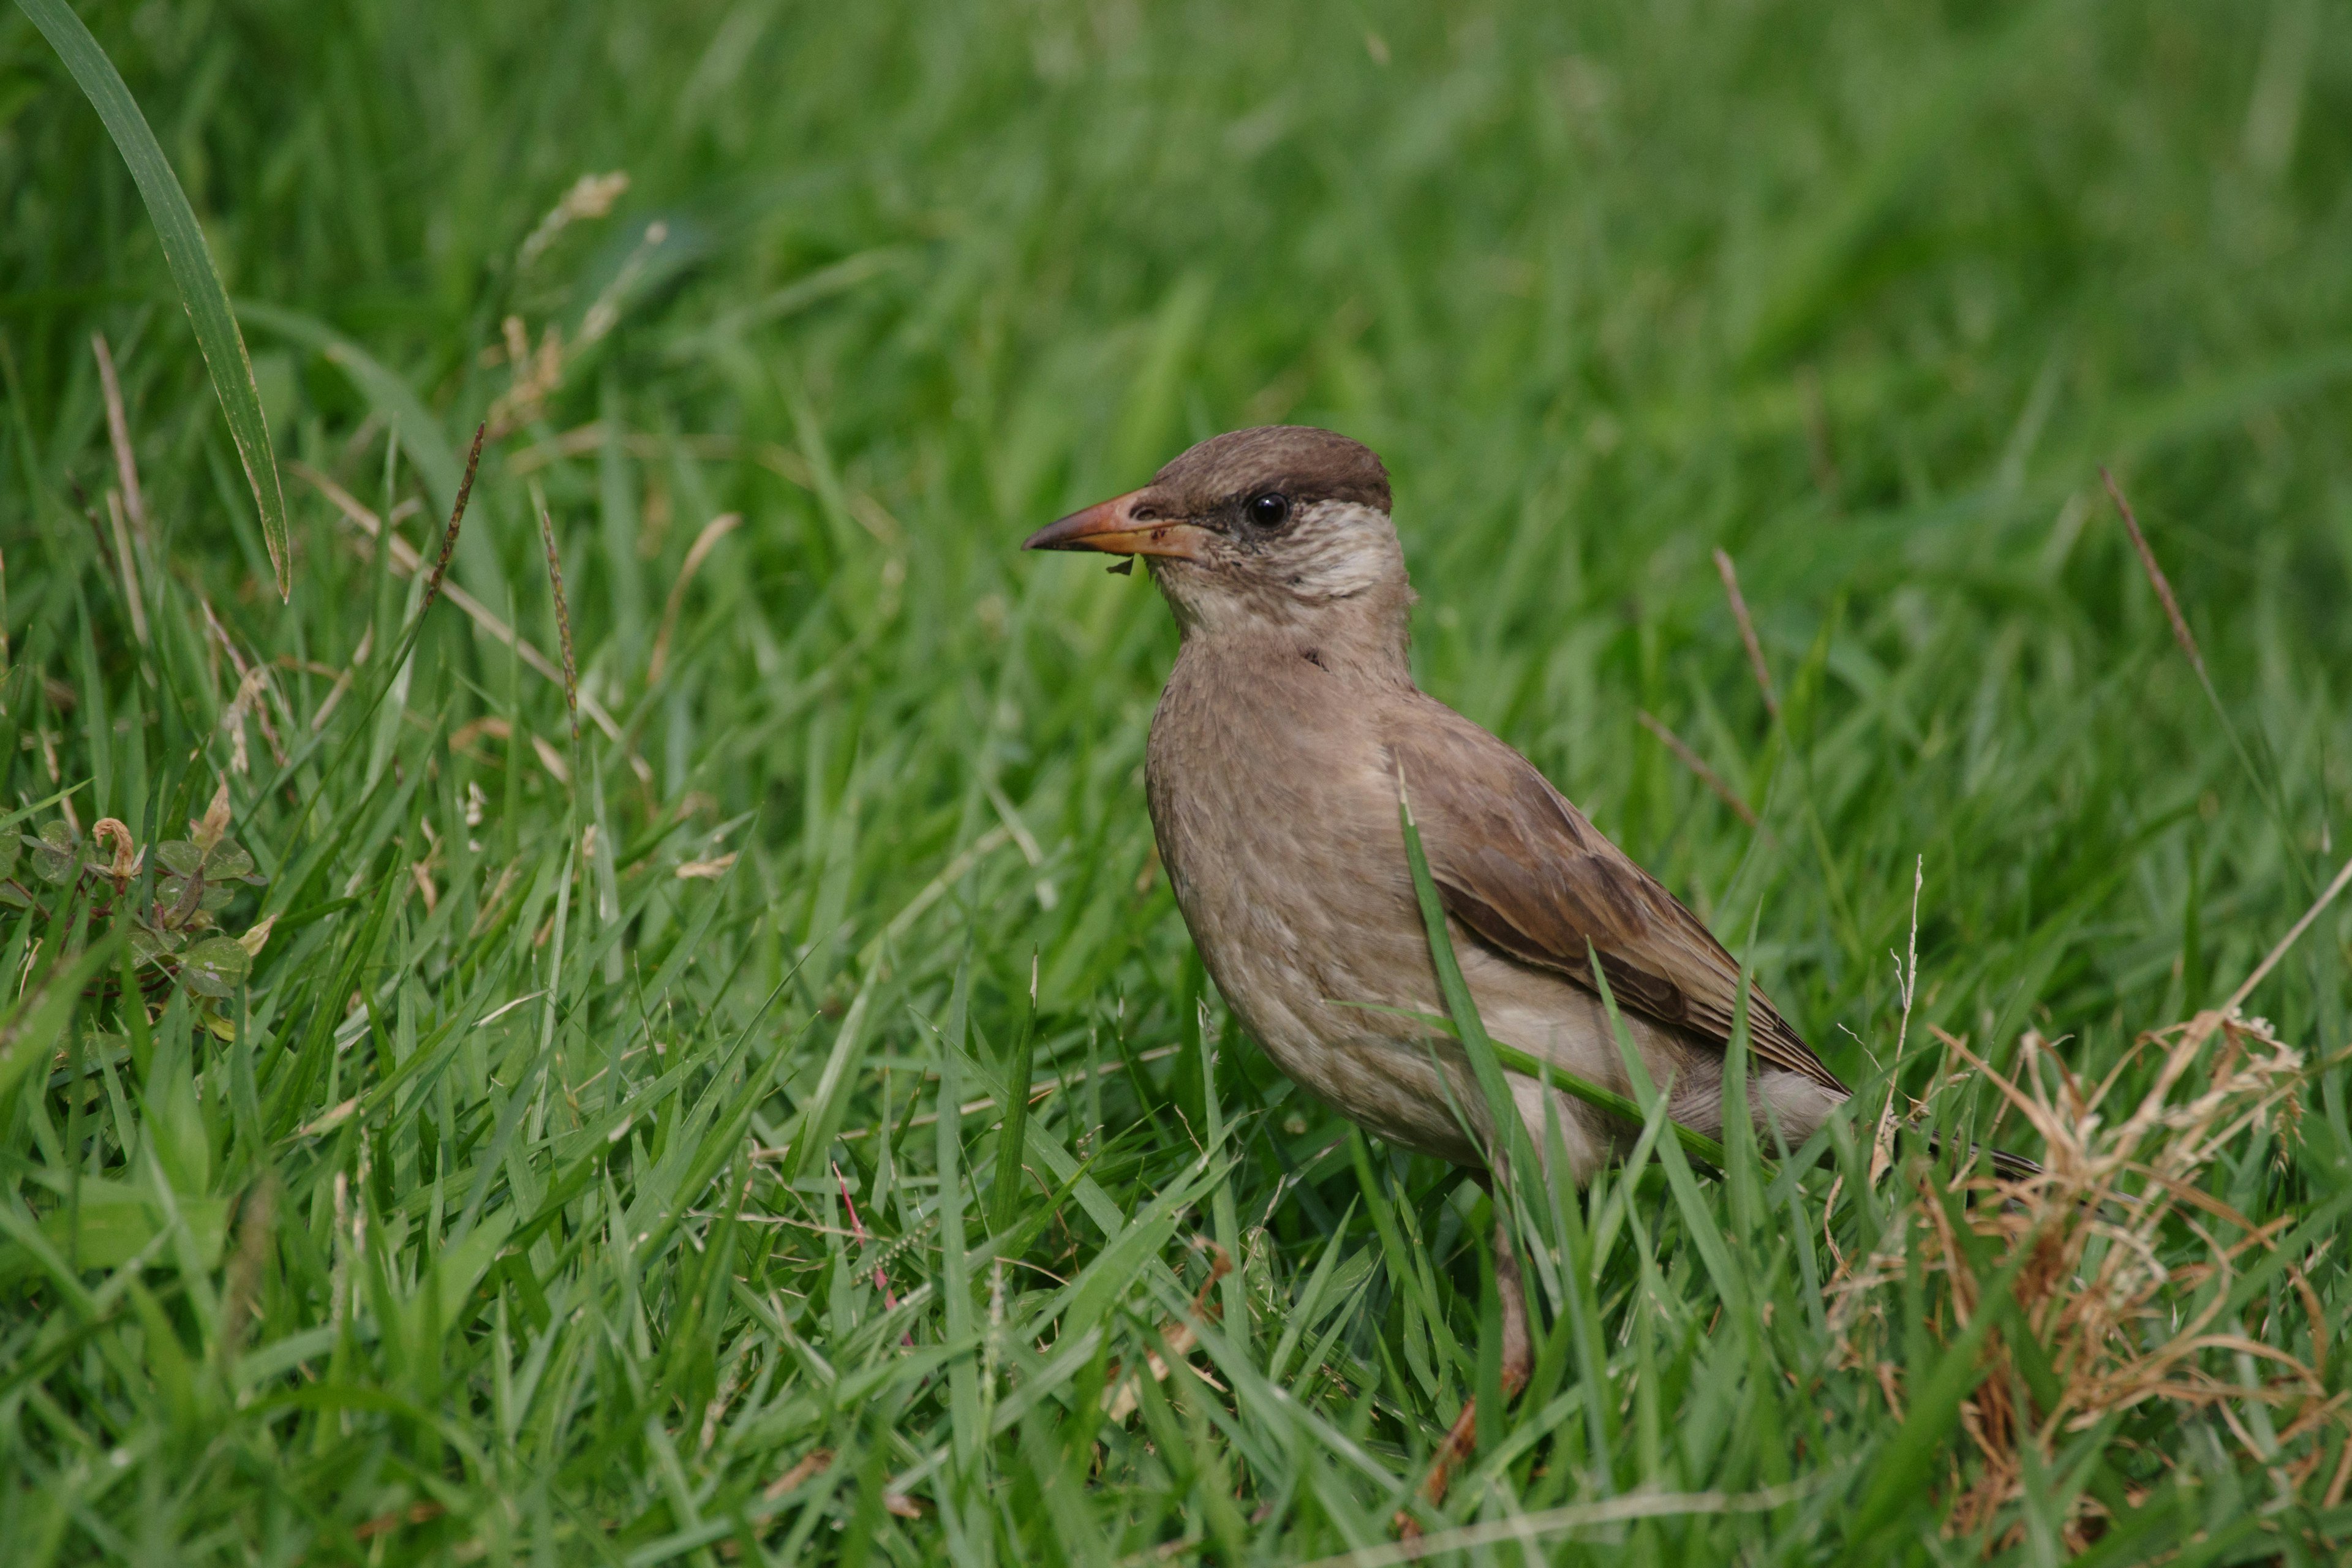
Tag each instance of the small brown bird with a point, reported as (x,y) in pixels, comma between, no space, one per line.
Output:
(1287,728)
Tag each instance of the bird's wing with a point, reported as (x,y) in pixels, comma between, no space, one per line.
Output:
(1518,865)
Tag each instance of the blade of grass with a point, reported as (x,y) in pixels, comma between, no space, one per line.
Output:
(2264,779)
(191,263)
(1705,1234)
(1517,1160)
(1006,1192)
(421,436)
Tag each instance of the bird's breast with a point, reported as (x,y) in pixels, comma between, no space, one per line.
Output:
(1279,826)
(1277,823)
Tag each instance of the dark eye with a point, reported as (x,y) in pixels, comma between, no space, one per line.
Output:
(1270,510)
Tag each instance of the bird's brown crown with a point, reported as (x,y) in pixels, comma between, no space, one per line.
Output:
(1298,461)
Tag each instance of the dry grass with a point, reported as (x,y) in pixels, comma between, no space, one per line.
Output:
(2135,1292)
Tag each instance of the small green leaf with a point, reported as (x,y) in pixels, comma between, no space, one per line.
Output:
(179,856)
(146,946)
(215,966)
(227,862)
(55,854)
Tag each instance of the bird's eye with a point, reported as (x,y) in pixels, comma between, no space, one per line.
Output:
(1269,510)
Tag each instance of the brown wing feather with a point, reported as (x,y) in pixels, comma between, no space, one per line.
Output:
(1521,867)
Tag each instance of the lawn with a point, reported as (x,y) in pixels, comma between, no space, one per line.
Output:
(578,1110)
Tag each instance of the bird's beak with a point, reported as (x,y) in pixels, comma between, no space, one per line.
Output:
(1113,528)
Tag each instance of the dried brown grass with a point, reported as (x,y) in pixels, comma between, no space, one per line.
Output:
(2125,1312)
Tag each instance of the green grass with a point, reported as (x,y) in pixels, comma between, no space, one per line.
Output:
(529,1201)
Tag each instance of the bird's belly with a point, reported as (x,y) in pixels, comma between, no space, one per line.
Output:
(1395,1090)
(1298,945)
(1299,974)
(1319,982)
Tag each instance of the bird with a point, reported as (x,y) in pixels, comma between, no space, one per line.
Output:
(1290,728)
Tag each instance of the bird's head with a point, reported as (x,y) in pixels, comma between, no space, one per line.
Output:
(1282,526)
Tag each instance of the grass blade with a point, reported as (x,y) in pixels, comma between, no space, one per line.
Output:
(1514,1153)
(191,261)
(422,438)
(1004,1198)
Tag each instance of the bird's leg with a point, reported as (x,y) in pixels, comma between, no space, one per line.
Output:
(1518,1361)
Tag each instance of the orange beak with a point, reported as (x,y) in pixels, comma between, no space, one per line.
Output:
(1113,528)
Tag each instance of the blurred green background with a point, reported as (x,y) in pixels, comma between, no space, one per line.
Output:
(1863,295)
